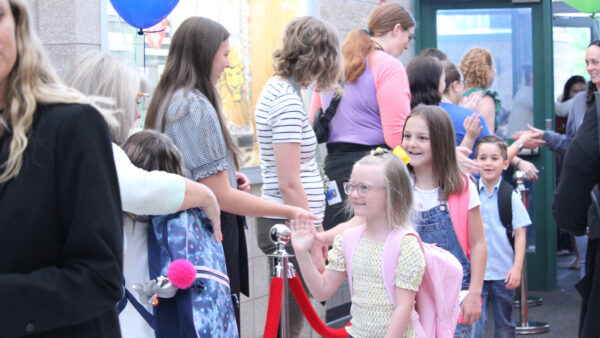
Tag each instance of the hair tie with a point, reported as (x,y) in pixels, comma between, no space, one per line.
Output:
(367,31)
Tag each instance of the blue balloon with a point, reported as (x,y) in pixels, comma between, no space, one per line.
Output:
(143,13)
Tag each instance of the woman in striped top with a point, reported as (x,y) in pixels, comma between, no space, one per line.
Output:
(286,139)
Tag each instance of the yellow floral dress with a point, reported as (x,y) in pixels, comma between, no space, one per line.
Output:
(371,305)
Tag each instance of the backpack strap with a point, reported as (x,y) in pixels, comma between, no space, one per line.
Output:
(458,207)
(391,252)
(350,240)
(128,297)
(505,192)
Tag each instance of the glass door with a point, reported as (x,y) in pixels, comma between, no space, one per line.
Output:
(519,37)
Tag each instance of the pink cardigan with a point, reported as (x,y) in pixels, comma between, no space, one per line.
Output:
(393,95)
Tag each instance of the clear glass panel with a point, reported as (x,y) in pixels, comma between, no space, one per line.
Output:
(252,44)
(570,44)
(506,33)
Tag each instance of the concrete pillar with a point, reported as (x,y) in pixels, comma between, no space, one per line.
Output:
(67,28)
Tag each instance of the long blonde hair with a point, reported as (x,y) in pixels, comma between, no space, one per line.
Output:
(105,75)
(31,81)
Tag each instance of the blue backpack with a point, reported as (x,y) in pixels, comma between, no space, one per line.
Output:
(206,308)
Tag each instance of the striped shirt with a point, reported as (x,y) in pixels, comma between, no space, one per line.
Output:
(281,118)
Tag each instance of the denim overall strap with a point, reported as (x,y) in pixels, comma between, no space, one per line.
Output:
(435,227)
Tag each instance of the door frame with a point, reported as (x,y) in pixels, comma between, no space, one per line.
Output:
(541,264)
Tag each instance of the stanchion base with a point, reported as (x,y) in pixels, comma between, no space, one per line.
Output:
(533,328)
(532,301)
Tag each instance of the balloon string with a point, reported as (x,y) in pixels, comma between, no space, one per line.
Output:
(135,48)
(123,32)
(144,51)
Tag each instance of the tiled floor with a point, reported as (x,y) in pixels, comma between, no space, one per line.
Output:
(560,308)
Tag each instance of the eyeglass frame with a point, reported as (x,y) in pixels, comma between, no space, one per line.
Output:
(411,36)
(349,187)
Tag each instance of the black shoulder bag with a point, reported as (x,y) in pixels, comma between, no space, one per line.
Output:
(593,215)
(322,119)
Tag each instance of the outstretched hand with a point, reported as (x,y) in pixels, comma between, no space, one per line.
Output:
(303,233)
(531,138)
(473,126)
(466,164)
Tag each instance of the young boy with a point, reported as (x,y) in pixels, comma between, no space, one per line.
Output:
(503,269)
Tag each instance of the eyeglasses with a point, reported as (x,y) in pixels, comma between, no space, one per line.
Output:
(411,36)
(362,189)
(140,98)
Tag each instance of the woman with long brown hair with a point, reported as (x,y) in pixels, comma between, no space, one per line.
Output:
(186,106)
(376,96)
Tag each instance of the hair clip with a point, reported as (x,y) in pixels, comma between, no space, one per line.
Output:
(398,151)
(367,31)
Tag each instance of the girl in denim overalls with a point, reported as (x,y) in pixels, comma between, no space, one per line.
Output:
(446,204)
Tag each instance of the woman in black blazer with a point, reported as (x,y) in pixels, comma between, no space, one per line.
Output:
(60,220)
(580,172)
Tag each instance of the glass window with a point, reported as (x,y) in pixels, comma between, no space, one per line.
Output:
(506,33)
(252,44)
(570,44)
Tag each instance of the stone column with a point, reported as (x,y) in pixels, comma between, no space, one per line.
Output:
(67,28)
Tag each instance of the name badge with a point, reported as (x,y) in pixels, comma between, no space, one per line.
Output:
(332,193)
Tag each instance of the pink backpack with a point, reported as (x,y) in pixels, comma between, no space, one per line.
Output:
(436,310)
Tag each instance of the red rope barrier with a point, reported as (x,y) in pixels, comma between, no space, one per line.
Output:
(274,308)
(310,314)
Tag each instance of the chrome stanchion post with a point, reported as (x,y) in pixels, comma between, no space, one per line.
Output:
(524,326)
(280,235)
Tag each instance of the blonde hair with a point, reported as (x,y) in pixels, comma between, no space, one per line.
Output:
(31,81)
(100,74)
(358,43)
(310,52)
(475,65)
(398,186)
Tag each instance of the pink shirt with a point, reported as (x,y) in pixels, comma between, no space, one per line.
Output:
(374,107)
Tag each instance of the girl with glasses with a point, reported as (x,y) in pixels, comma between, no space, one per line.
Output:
(379,192)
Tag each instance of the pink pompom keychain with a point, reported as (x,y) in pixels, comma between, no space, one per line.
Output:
(182,273)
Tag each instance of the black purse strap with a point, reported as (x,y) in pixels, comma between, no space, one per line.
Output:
(331,110)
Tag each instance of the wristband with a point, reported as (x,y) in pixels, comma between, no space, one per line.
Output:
(517,164)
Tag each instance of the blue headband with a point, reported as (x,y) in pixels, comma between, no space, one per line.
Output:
(367,31)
